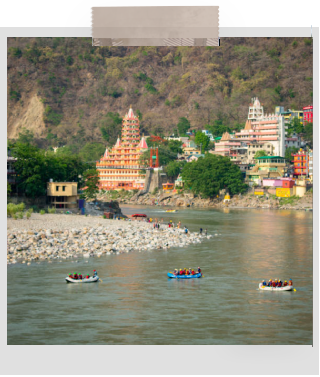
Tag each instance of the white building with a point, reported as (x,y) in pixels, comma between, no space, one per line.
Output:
(255,109)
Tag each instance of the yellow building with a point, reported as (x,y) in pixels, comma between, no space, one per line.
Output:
(62,194)
(267,167)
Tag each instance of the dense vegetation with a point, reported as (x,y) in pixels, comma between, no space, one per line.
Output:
(69,93)
(212,173)
(34,168)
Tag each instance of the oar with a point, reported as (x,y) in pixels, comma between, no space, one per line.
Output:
(101,280)
(294,290)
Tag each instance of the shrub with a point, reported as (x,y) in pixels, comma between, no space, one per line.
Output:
(15,216)
(294,44)
(20,215)
(51,210)
(42,212)
(104,216)
(21,207)
(28,215)
(308,42)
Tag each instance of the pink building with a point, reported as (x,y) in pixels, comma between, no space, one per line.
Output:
(268,128)
(226,144)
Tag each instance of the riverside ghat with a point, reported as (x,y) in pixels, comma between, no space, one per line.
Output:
(53,237)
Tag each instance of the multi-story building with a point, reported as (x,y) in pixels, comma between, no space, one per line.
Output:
(255,146)
(226,143)
(267,167)
(293,141)
(120,168)
(267,128)
(308,114)
(290,114)
(303,163)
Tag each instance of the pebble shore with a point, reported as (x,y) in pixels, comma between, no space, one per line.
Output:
(53,237)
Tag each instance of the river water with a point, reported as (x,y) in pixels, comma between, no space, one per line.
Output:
(136,303)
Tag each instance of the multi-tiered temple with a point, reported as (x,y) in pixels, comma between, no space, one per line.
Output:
(120,168)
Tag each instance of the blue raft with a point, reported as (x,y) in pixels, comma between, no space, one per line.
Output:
(173,276)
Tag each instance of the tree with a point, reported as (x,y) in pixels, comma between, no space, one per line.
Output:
(288,152)
(91,178)
(261,153)
(183,126)
(34,168)
(26,136)
(202,140)
(209,174)
(110,127)
(217,128)
(308,133)
(173,168)
(92,152)
(175,146)
(8,189)
(295,126)
(247,54)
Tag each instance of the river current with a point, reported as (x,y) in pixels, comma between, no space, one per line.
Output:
(137,304)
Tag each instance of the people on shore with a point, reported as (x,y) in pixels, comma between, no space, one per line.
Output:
(200,230)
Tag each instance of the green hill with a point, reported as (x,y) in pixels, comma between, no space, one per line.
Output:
(67,92)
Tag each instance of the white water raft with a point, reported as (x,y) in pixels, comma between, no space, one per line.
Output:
(92,279)
(266,288)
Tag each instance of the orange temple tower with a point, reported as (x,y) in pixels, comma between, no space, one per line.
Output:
(120,167)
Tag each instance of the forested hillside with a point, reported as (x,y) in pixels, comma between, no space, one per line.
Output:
(67,92)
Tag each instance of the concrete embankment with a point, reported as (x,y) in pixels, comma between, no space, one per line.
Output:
(52,237)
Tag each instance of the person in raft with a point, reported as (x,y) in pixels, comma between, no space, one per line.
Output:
(264,283)
(75,276)
(290,282)
(94,273)
(199,270)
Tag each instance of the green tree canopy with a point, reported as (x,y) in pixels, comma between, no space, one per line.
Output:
(209,174)
(203,140)
(91,181)
(173,168)
(26,136)
(261,153)
(92,152)
(110,127)
(36,166)
(308,134)
(295,126)
(175,146)
(288,152)
(183,126)
(217,128)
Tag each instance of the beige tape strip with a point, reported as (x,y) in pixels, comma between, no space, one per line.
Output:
(155,26)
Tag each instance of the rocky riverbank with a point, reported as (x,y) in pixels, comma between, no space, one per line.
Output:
(53,237)
(237,201)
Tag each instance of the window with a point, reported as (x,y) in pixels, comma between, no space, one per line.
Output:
(63,188)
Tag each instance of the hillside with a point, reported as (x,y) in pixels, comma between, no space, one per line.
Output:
(63,89)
